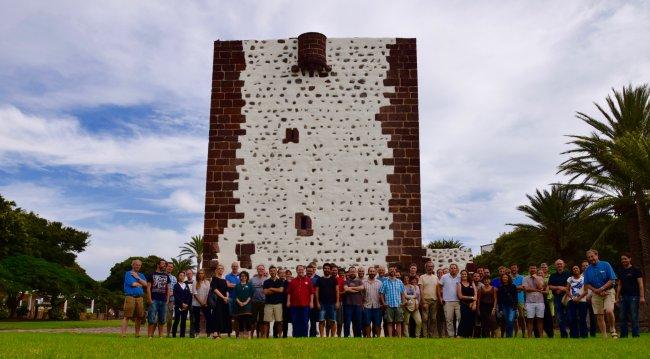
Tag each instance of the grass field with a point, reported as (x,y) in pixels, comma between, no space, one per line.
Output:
(42,324)
(69,345)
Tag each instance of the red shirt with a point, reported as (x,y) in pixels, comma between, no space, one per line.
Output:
(300,290)
(341,280)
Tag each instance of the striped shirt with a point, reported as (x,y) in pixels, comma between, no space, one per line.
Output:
(371,299)
(392,290)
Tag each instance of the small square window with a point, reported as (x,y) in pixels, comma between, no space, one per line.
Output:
(303,225)
(291,135)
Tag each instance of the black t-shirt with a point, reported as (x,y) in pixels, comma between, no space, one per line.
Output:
(275,298)
(558,279)
(159,282)
(327,290)
(629,283)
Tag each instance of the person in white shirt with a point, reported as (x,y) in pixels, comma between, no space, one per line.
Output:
(429,284)
(577,305)
(449,283)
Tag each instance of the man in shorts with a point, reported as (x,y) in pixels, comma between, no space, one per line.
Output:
(392,297)
(600,279)
(134,284)
(158,294)
(372,304)
(327,301)
(534,287)
(258,301)
(273,298)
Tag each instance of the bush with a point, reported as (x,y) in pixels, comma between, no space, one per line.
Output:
(55,313)
(4,311)
(75,310)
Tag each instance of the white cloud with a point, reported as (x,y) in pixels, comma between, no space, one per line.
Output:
(183,200)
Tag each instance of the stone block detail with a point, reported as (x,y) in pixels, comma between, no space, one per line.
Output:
(442,258)
(225,129)
(399,120)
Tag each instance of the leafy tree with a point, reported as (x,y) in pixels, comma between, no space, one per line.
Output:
(115,280)
(29,234)
(445,244)
(49,279)
(592,161)
(194,249)
(558,217)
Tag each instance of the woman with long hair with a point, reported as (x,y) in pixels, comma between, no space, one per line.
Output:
(200,303)
(182,303)
(577,304)
(220,317)
(467,295)
(507,303)
(243,308)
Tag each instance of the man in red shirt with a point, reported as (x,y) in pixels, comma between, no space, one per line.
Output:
(300,299)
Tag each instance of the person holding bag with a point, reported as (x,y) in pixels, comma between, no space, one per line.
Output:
(182,303)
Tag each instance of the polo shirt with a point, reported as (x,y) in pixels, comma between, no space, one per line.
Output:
(392,290)
(597,275)
(629,283)
(232,278)
(449,285)
(429,285)
(300,290)
(559,279)
(128,281)
(275,298)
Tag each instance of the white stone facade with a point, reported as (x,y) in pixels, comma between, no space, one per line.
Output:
(442,258)
(334,174)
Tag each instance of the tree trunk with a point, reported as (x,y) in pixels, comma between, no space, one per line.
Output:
(632,230)
(642,212)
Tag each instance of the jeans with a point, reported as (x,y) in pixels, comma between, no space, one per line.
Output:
(299,321)
(157,312)
(180,316)
(352,315)
(314,316)
(560,314)
(578,319)
(509,319)
(629,311)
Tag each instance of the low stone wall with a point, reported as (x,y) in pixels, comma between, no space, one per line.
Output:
(442,258)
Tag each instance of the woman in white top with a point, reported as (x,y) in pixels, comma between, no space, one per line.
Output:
(200,303)
(577,303)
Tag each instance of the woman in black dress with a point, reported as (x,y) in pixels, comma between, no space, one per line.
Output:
(467,295)
(487,309)
(220,314)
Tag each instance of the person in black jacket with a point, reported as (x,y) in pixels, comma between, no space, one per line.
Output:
(507,302)
(182,302)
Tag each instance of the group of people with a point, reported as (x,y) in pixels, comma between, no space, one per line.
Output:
(373,301)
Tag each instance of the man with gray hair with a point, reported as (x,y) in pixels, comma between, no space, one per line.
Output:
(134,284)
(600,279)
(557,284)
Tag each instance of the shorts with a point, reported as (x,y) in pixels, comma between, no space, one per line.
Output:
(157,312)
(273,313)
(372,316)
(170,311)
(394,315)
(327,312)
(534,310)
(133,307)
(602,304)
(258,312)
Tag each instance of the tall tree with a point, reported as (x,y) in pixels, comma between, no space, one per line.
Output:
(558,216)
(181,265)
(593,165)
(194,249)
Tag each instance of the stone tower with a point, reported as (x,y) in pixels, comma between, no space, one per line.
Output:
(313,153)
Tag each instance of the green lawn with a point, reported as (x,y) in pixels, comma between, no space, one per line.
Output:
(44,324)
(65,345)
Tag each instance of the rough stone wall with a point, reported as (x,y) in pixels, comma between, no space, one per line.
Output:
(442,258)
(352,168)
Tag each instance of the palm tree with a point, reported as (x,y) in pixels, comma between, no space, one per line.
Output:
(181,265)
(194,249)
(558,216)
(593,160)
(445,243)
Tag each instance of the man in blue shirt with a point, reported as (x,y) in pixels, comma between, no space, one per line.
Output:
(518,281)
(392,297)
(600,279)
(134,282)
(232,279)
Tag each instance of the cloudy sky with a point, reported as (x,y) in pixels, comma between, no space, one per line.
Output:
(104,106)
